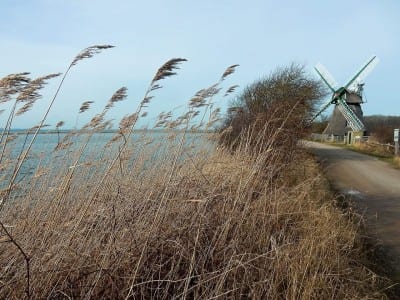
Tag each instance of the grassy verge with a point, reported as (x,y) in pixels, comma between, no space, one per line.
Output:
(377,151)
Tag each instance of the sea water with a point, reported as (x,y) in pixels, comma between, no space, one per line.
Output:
(94,147)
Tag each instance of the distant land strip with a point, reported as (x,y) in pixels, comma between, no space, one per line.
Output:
(53,131)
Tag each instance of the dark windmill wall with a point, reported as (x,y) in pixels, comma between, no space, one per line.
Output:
(337,123)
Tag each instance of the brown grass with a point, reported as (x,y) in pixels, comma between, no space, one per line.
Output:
(375,149)
(217,226)
(148,217)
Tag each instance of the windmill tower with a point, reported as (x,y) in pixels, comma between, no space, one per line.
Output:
(347,114)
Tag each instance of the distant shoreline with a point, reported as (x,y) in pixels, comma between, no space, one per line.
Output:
(65,131)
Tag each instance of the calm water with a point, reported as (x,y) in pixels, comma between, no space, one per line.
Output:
(43,153)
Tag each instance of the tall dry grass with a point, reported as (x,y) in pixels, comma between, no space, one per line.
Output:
(164,218)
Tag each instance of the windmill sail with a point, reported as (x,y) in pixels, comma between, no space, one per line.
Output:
(326,77)
(352,119)
(362,73)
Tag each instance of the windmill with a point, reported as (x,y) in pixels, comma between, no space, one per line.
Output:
(347,114)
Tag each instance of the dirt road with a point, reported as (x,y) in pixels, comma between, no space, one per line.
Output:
(374,186)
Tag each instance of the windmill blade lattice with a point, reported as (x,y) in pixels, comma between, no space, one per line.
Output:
(354,122)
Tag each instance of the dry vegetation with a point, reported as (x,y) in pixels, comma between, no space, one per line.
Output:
(246,219)
(374,148)
(382,151)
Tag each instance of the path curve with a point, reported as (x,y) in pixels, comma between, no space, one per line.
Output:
(374,185)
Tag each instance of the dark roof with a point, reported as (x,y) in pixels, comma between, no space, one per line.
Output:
(353,97)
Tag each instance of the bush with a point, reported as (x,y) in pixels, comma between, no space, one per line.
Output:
(319,126)
(278,106)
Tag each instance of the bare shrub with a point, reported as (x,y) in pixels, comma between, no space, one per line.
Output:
(278,106)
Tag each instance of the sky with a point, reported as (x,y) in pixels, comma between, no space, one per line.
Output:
(43,37)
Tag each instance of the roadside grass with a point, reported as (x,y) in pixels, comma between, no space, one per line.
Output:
(380,152)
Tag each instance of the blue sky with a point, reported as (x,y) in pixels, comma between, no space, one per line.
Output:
(43,36)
